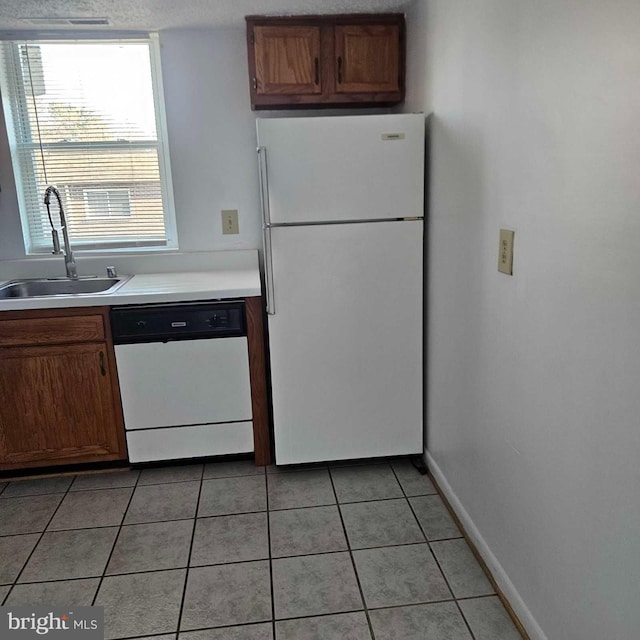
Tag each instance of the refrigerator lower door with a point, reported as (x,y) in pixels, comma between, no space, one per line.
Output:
(346,341)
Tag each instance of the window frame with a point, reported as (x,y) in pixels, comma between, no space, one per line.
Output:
(164,164)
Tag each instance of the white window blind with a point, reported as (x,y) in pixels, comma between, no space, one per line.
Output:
(85,117)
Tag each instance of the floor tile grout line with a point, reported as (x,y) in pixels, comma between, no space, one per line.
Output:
(155,484)
(141,469)
(32,495)
(434,556)
(388,606)
(273,598)
(291,618)
(128,486)
(193,535)
(414,604)
(219,515)
(133,483)
(268,512)
(463,536)
(225,564)
(53,515)
(353,562)
(197,630)
(406,497)
(57,493)
(128,524)
(326,553)
(456,598)
(208,516)
(430,540)
(124,486)
(92,577)
(115,541)
(484,595)
(464,618)
(238,475)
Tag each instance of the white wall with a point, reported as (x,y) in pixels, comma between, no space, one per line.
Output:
(533,380)
(212,136)
(212,144)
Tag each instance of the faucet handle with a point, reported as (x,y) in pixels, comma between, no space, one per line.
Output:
(111,272)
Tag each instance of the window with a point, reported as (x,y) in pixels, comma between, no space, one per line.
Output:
(107,203)
(86,116)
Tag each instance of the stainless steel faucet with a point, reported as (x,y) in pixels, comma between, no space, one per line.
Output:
(69,260)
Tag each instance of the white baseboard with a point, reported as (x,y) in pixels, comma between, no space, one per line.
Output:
(499,574)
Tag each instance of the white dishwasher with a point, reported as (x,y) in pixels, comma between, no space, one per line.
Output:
(184,379)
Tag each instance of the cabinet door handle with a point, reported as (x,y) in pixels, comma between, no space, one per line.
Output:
(103,369)
(316,64)
(339,69)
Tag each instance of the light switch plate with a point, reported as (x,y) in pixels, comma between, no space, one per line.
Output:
(505,252)
(230,222)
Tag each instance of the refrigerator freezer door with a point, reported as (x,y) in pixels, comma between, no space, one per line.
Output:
(346,341)
(344,168)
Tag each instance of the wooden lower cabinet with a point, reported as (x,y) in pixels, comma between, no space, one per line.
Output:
(59,403)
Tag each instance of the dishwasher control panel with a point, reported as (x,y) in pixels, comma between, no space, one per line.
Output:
(165,322)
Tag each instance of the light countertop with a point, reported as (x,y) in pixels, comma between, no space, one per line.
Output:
(155,288)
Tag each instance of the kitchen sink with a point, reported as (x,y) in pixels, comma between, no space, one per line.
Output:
(60,287)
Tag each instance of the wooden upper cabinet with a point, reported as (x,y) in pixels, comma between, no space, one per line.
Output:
(321,61)
(287,60)
(367,58)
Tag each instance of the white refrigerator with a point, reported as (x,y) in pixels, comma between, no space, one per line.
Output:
(343,205)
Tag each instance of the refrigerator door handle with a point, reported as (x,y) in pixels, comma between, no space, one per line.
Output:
(268,271)
(264,186)
(266,230)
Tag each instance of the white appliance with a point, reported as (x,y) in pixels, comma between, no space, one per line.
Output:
(184,379)
(343,206)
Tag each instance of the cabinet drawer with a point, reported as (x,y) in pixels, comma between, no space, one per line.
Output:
(56,330)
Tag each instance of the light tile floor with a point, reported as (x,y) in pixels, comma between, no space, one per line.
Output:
(231,551)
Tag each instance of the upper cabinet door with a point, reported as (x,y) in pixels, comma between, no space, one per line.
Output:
(367,58)
(287,60)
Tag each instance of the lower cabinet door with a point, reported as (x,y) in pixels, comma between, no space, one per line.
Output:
(57,406)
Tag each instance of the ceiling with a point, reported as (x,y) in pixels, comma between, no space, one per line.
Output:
(165,14)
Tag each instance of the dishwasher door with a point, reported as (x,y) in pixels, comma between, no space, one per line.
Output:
(186,382)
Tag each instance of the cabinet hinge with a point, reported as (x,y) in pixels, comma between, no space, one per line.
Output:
(252,39)
(255,83)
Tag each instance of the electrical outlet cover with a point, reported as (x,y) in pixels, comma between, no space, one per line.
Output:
(505,252)
(230,222)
